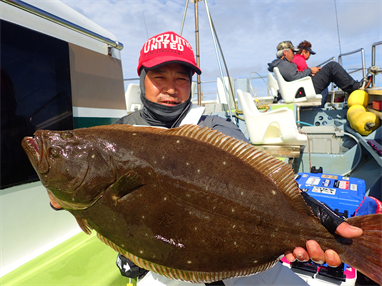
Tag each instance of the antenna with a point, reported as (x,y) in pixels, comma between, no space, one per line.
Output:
(338,29)
(184,18)
(144,20)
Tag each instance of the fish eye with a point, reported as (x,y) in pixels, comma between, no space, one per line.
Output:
(54,153)
(66,135)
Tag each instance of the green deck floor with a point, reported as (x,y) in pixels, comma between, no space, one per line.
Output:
(80,260)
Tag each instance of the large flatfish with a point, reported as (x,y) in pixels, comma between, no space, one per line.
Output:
(189,203)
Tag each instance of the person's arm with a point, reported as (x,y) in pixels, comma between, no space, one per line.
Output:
(289,71)
(314,70)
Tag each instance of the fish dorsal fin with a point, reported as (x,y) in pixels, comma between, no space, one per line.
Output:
(127,183)
(183,275)
(277,171)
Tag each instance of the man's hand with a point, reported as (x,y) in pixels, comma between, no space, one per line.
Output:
(314,70)
(315,252)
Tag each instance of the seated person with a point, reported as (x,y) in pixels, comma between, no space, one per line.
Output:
(300,58)
(321,77)
(302,55)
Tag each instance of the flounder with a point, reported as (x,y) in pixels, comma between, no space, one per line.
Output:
(188,203)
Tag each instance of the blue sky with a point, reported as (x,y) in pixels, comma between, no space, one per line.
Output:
(248,30)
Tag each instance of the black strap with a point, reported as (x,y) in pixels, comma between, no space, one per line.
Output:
(329,219)
(216,283)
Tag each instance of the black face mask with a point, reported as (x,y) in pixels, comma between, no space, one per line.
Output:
(160,115)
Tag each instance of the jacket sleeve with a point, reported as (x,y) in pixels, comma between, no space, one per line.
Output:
(289,71)
(223,125)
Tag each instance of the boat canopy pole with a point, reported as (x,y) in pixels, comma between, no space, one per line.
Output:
(48,16)
(217,56)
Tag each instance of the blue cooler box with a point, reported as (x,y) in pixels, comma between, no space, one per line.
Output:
(342,194)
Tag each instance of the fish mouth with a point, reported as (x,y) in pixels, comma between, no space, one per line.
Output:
(33,150)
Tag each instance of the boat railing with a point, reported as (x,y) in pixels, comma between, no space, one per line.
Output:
(258,77)
(55,19)
(332,59)
(363,68)
(373,52)
(373,59)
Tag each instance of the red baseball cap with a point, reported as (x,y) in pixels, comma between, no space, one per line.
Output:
(167,48)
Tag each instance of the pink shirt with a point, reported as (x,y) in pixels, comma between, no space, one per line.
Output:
(300,61)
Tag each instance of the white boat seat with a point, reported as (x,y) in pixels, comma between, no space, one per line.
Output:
(276,127)
(288,89)
(133,98)
(272,85)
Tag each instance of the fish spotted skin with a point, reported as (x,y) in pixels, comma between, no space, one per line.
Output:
(189,203)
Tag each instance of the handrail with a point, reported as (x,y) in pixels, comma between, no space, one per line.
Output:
(329,60)
(373,60)
(362,59)
(373,52)
(55,19)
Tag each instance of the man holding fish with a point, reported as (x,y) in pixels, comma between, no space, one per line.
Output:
(162,197)
(166,66)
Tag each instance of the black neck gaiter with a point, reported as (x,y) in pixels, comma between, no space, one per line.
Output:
(160,115)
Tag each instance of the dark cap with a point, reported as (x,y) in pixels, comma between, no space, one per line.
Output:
(286,45)
(305,45)
(310,50)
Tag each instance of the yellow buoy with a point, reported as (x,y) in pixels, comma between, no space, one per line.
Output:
(365,122)
(354,110)
(358,97)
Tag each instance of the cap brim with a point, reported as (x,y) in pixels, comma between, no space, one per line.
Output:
(152,64)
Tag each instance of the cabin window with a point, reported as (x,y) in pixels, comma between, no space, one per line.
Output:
(35,94)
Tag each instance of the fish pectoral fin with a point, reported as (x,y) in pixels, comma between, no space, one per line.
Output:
(84,225)
(127,183)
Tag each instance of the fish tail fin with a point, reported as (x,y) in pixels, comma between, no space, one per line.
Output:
(365,252)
